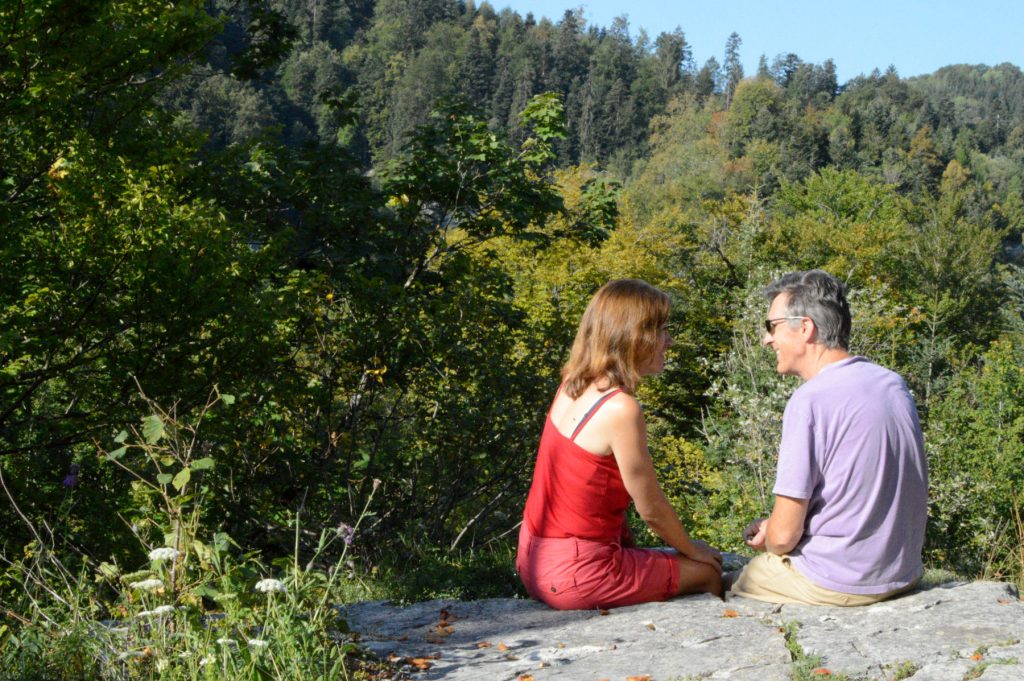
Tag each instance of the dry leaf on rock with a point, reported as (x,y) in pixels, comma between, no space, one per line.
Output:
(729,612)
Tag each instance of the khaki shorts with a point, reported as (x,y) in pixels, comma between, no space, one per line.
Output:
(773,578)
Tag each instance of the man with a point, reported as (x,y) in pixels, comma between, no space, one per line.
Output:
(851,491)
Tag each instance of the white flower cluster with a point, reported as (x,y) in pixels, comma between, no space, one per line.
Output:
(227,642)
(164,553)
(269,586)
(147,585)
(158,611)
(257,643)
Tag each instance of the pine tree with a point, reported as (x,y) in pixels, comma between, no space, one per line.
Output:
(732,67)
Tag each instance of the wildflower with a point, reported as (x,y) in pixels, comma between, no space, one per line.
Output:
(227,642)
(162,610)
(71,479)
(146,613)
(147,585)
(209,659)
(268,586)
(347,533)
(164,553)
(257,643)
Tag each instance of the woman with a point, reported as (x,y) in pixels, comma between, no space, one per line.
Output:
(575,547)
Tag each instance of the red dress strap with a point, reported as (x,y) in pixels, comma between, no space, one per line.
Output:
(590,412)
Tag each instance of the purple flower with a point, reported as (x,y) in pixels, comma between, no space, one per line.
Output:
(347,533)
(71,479)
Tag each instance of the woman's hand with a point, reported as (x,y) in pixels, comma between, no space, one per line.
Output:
(703,553)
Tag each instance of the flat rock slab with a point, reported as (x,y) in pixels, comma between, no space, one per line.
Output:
(945,632)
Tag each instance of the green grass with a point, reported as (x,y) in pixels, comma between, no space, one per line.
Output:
(434,573)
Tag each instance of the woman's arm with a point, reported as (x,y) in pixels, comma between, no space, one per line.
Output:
(624,422)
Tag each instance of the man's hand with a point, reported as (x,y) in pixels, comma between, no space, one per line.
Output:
(755,534)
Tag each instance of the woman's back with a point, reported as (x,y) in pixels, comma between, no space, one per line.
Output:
(576,492)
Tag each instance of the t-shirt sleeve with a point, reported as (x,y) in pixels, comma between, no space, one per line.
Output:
(797,471)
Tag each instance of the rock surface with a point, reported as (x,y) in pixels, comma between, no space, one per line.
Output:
(950,632)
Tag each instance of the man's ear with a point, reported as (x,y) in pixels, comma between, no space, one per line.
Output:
(808,330)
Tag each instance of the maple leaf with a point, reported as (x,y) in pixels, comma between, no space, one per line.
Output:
(484,644)
(420,663)
(502,647)
(642,677)
(821,671)
(524,677)
(976,656)
(728,612)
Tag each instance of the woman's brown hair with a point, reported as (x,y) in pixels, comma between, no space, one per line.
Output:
(619,333)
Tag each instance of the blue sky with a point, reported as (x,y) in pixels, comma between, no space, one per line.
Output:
(916,36)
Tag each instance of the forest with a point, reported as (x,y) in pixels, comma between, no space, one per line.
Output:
(287,286)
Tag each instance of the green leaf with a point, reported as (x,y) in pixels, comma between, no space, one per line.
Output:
(202,464)
(182,478)
(117,453)
(228,400)
(152,429)
(205,590)
(108,571)
(164,478)
(121,437)
(362,463)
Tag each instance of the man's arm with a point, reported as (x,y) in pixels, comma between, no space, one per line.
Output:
(782,531)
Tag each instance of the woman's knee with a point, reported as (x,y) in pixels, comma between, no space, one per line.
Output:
(696,577)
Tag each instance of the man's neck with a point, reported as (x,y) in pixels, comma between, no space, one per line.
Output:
(820,357)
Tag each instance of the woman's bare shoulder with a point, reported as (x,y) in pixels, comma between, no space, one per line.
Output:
(623,407)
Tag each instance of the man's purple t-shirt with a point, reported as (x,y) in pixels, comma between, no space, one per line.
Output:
(852,446)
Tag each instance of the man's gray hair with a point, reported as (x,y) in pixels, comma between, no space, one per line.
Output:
(820,296)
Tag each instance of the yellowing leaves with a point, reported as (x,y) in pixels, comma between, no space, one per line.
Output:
(59,170)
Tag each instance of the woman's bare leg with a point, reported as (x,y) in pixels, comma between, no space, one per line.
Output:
(698,578)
